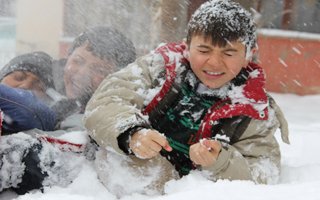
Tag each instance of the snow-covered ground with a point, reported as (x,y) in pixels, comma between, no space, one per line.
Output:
(300,178)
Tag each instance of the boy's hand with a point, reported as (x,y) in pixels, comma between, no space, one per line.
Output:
(147,143)
(205,152)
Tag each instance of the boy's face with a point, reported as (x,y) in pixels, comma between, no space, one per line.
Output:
(214,65)
(84,72)
(25,80)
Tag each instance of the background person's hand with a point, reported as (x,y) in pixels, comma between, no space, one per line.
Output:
(147,143)
(205,152)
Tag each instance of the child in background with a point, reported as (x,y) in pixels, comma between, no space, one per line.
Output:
(94,54)
(30,71)
(23,99)
(194,106)
(35,159)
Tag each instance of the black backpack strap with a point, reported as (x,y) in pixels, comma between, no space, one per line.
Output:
(233,128)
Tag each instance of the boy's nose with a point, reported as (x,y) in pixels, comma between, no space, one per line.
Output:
(71,68)
(215,60)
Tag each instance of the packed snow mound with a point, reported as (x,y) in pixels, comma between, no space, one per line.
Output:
(300,176)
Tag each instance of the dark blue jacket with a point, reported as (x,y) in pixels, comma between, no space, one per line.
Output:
(22,111)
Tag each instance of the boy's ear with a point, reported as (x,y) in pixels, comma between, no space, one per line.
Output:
(184,42)
(252,54)
(254,50)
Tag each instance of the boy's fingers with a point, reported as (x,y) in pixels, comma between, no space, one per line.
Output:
(167,147)
(161,140)
(212,144)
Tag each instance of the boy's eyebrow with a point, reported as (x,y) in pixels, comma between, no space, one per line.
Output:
(24,73)
(79,55)
(203,46)
(227,48)
(230,49)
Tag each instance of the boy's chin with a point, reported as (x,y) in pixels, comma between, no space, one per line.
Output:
(214,85)
(210,85)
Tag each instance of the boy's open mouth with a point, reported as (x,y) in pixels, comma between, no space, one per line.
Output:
(213,73)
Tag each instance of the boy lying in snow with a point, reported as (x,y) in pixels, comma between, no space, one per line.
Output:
(34,159)
(199,105)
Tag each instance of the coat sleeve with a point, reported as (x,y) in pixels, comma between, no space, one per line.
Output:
(117,103)
(1,119)
(22,110)
(256,156)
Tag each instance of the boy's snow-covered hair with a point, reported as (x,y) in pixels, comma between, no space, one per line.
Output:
(108,44)
(223,21)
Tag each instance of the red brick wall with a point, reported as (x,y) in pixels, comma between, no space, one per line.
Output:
(292,64)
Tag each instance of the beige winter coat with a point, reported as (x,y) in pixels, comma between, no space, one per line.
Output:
(116,106)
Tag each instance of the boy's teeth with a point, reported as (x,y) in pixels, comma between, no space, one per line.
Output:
(214,73)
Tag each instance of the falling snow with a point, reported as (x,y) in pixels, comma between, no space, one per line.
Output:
(282,62)
(296,50)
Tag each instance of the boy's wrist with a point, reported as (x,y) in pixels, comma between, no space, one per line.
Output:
(124,138)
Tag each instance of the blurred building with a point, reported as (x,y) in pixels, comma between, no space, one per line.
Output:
(7,31)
